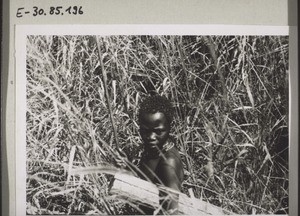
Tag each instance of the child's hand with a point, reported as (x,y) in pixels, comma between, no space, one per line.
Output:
(209,168)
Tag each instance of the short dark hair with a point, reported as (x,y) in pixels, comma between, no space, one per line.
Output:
(156,103)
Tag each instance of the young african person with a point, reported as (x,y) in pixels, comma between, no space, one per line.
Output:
(160,160)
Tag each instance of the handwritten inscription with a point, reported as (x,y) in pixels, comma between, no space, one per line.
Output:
(50,11)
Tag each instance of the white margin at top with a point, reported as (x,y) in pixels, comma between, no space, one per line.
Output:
(152,30)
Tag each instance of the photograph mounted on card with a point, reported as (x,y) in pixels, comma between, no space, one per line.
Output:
(152,119)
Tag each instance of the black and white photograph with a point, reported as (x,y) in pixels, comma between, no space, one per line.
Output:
(155,124)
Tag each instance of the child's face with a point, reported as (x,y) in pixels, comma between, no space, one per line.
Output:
(154,129)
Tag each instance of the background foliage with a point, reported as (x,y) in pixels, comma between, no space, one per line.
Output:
(230,94)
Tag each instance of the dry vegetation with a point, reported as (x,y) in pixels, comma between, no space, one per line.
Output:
(231,100)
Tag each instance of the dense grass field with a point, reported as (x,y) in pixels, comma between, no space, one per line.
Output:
(230,94)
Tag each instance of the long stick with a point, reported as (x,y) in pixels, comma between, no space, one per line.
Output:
(220,72)
(107,97)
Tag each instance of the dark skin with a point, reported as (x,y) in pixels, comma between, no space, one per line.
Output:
(163,168)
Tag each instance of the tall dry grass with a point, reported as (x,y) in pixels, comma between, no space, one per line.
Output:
(230,94)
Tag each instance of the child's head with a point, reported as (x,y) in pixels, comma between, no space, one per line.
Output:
(155,117)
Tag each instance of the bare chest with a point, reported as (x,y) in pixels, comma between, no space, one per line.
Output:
(151,169)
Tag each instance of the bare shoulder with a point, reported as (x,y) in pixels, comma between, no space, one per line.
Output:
(171,169)
(172,157)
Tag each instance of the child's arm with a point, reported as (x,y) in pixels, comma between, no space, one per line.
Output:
(168,175)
